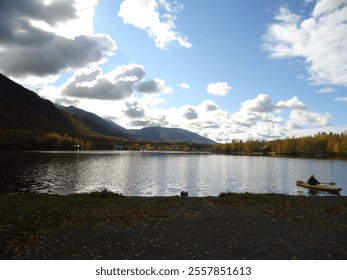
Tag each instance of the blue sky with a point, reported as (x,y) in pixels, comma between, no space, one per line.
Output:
(225,69)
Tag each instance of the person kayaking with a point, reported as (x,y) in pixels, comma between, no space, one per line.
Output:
(312,181)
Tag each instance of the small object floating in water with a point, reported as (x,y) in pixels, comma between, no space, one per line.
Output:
(320,187)
(183,193)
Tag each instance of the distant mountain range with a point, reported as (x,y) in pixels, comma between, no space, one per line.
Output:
(21,108)
(152,134)
(162,134)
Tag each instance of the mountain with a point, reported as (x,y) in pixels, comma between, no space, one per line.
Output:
(154,134)
(98,124)
(21,108)
(162,134)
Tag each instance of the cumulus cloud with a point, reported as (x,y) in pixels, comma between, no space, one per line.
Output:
(261,117)
(190,114)
(145,14)
(141,123)
(300,117)
(150,120)
(103,89)
(220,88)
(14,14)
(117,84)
(120,83)
(134,111)
(184,85)
(319,39)
(29,50)
(257,118)
(244,119)
(293,103)
(262,103)
(208,106)
(153,86)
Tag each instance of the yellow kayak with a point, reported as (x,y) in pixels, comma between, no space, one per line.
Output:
(319,187)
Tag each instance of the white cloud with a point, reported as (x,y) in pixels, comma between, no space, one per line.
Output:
(81,24)
(116,85)
(153,86)
(171,7)
(144,14)
(207,106)
(258,118)
(32,44)
(319,39)
(287,16)
(244,119)
(262,103)
(184,85)
(293,103)
(220,88)
(300,117)
(327,6)
(326,90)
(343,99)
(221,126)
(261,118)
(134,110)
(190,114)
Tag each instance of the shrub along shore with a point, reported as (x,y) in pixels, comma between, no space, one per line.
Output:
(233,226)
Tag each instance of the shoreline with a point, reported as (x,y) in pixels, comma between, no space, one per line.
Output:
(235,226)
(313,155)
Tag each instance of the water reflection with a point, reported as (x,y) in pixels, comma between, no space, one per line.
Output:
(160,174)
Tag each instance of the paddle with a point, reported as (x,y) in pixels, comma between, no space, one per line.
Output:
(330,183)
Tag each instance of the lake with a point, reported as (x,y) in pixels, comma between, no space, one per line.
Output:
(161,173)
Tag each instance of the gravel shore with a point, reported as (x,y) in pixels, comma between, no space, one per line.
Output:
(236,226)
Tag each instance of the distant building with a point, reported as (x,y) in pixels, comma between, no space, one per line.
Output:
(118,147)
(265,149)
(77,147)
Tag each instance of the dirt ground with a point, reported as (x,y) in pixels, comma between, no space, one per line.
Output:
(232,227)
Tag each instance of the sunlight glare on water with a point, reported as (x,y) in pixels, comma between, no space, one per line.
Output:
(161,174)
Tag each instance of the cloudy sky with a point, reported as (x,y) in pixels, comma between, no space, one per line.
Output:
(226,69)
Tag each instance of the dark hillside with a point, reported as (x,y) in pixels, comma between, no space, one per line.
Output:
(98,124)
(21,108)
(29,121)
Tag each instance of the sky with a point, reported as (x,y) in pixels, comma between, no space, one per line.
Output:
(226,69)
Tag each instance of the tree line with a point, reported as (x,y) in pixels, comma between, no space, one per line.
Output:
(172,146)
(23,139)
(321,144)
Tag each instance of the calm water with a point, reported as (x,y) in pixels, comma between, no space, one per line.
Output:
(161,174)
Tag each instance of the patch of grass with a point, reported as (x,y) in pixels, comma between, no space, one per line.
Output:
(104,194)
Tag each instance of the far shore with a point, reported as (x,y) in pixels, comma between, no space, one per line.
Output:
(311,155)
